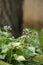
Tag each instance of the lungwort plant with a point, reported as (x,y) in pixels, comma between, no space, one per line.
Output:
(25,50)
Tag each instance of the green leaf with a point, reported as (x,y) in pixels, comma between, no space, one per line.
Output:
(2,56)
(28,52)
(4,48)
(41,37)
(32,49)
(4,63)
(19,57)
(39,59)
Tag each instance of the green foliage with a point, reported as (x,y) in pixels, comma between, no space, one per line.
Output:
(4,63)
(41,37)
(25,50)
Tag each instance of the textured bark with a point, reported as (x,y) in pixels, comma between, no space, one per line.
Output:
(19,12)
(4,20)
(11,13)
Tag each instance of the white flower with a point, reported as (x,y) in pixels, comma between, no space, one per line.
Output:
(24,36)
(9,27)
(28,36)
(12,36)
(36,33)
(0,31)
(5,27)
